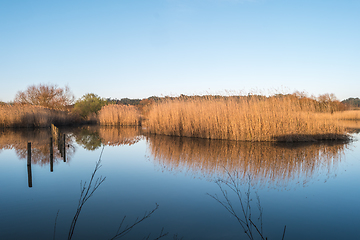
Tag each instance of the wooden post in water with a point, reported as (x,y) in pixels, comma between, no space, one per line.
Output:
(51,155)
(29,164)
(64,149)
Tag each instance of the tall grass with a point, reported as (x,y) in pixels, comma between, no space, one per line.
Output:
(33,116)
(286,118)
(120,115)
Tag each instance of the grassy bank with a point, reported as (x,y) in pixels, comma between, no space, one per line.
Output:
(34,116)
(285,118)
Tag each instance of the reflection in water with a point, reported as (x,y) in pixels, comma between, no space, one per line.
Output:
(40,144)
(87,190)
(92,137)
(29,164)
(48,144)
(116,136)
(88,139)
(266,163)
(243,210)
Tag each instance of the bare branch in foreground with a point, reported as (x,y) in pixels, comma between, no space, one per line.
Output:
(122,232)
(86,191)
(245,216)
(57,214)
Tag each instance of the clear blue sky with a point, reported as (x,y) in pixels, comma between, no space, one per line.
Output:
(141,48)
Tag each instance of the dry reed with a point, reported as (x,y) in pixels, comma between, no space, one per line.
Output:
(266,163)
(119,115)
(243,118)
(346,115)
(33,116)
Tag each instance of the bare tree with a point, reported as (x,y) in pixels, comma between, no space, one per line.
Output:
(46,95)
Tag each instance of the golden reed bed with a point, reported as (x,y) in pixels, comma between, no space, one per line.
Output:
(244,119)
(120,115)
(353,115)
(33,116)
(266,163)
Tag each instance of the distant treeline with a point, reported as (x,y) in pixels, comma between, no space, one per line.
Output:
(134,102)
(352,102)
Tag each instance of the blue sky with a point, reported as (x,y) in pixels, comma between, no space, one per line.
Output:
(141,48)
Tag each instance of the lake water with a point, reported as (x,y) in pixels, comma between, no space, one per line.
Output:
(312,188)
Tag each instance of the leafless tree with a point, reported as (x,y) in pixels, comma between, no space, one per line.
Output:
(46,95)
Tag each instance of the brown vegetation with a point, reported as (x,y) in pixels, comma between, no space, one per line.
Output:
(34,116)
(250,118)
(293,117)
(45,95)
(119,115)
(266,163)
(347,115)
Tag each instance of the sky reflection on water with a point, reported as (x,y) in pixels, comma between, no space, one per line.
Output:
(312,189)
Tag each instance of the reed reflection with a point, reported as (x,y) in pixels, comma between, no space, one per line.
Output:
(49,146)
(265,163)
(116,136)
(46,148)
(93,137)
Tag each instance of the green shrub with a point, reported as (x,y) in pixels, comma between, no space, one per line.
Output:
(88,105)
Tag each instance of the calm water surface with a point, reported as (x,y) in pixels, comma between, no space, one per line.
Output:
(312,189)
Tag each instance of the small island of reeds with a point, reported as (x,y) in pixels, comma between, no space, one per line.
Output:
(246,118)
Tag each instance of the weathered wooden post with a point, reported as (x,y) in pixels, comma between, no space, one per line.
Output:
(29,164)
(51,155)
(64,149)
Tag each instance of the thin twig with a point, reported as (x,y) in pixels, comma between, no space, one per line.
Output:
(127,229)
(284,233)
(86,191)
(245,207)
(57,214)
(256,228)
